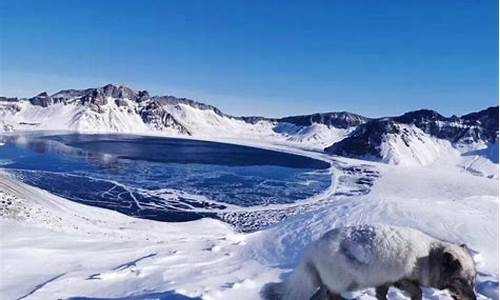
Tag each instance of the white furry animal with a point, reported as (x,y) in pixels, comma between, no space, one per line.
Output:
(358,257)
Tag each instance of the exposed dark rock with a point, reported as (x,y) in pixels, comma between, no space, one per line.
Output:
(366,140)
(9,99)
(66,95)
(142,96)
(42,99)
(121,102)
(119,91)
(332,119)
(155,114)
(175,101)
(255,119)
(471,128)
(486,119)
(95,97)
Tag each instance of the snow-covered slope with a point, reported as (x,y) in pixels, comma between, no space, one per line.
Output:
(438,200)
(53,248)
(393,143)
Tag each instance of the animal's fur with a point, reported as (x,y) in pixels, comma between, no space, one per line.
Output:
(358,257)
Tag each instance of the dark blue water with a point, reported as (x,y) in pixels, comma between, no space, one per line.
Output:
(162,178)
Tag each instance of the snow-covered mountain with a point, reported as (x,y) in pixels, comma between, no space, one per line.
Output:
(116,108)
(101,253)
(419,137)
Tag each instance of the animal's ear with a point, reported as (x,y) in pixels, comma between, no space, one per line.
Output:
(450,262)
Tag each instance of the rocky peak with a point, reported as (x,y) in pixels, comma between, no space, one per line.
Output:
(486,117)
(419,116)
(142,96)
(118,91)
(94,97)
(91,96)
(43,99)
(43,95)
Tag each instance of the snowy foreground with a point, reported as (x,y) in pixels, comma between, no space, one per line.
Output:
(53,248)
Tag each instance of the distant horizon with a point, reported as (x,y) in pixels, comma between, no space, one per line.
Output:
(262,58)
(50,93)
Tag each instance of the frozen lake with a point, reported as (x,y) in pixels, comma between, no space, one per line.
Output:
(163,179)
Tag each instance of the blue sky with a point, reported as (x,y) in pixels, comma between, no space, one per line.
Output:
(271,58)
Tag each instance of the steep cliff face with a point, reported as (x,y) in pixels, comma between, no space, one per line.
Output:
(160,119)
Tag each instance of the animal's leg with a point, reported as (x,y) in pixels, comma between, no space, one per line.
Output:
(335,296)
(381,292)
(323,293)
(411,288)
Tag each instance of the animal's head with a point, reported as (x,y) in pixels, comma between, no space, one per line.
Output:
(457,272)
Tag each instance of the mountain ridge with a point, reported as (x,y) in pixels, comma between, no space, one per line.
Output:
(122,91)
(117,108)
